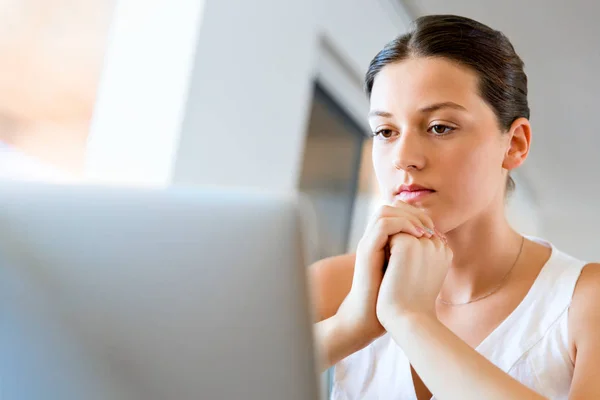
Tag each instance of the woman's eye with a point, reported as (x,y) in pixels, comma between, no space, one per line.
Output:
(384,133)
(441,129)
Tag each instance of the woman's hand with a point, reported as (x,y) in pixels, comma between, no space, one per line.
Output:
(357,313)
(406,308)
(414,276)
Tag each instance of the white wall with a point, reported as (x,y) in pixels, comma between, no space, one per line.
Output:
(248,94)
(522,210)
(573,230)
(570,229)
(143,91)
(251,91)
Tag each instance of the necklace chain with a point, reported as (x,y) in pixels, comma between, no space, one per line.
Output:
(494,289)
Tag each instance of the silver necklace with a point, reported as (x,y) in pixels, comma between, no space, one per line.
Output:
(494,289)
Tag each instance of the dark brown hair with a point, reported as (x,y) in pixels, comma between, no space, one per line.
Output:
(502,81)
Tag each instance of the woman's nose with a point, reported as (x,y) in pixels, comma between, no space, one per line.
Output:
(410,154)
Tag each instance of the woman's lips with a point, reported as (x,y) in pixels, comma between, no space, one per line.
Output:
(414,196)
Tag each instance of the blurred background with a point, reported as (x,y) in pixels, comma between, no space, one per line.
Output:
(268,94)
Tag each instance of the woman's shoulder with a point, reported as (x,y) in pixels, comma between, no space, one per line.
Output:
(584,323)
(330,280)
(586,298)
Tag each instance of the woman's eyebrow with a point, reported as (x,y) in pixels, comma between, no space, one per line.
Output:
(426,109)
(438,106)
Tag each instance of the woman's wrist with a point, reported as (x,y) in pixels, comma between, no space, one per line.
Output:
(338,338)
(347,338)
(406,324)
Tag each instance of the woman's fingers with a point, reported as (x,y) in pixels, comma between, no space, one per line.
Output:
(399,209)
(420,214)
(384,228)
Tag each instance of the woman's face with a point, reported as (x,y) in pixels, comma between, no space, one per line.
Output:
(434,131)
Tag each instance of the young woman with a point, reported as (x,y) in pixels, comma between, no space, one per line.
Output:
(443,298)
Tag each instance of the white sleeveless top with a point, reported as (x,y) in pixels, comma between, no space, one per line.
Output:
(531,344)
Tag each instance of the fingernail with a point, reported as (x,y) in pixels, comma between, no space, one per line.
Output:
(429,231)
(441,236)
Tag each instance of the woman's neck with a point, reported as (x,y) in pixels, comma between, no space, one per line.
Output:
(485,249)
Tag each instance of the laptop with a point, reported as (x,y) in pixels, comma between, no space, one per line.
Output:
(181,293)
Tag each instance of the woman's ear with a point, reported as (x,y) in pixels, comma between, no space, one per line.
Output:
(518,146)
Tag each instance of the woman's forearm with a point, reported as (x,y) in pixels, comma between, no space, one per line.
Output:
(450,368)
(335,342)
